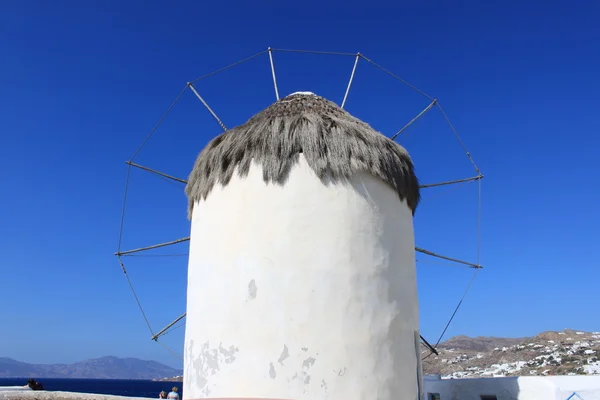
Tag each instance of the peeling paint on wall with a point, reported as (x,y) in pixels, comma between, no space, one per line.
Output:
(272,373)
(207,362)
(228,354)
(308,362)
(324,385)
(252,290)
(284,354)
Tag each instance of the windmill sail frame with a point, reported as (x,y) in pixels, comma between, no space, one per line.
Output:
(121,254)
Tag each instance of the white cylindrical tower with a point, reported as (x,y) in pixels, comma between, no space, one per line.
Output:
(301,280)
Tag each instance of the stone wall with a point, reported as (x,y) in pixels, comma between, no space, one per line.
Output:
(46,395)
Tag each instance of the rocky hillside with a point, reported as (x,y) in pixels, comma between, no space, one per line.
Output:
(98,368)
(550,353)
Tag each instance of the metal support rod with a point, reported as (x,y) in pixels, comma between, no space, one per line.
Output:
(155,246)
(207,107)
(332,53)
(458,138)
(471,179)
(273,73)
(155,172)
(229,66)
(430,253)
(429,107)
(160,121)
(137,299)
(397,78)
(351,79)
(163,330)
(429,346)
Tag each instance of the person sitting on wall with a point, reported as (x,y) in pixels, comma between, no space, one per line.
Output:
(34,385)
(162,395)
(173,395)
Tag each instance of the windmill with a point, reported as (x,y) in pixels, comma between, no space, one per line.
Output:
(349,190)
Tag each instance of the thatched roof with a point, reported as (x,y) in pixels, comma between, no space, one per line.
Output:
(335,144)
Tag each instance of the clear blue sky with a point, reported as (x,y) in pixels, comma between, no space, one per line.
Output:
(82,83)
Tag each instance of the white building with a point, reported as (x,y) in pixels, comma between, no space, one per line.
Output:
(301,278)
(513,388)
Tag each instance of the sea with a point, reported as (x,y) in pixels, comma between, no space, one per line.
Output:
(118,387)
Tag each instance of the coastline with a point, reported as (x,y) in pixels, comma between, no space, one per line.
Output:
(127,388)
(171,379)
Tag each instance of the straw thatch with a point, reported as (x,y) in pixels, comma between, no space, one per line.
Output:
(335,144)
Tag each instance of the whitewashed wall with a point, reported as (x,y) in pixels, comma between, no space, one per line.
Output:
(14,388)
(302,291)
(515,388)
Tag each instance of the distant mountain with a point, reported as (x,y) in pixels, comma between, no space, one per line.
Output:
(568,352)
(97,368)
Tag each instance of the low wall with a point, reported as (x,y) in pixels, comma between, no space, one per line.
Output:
(46,395)
(515,388)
